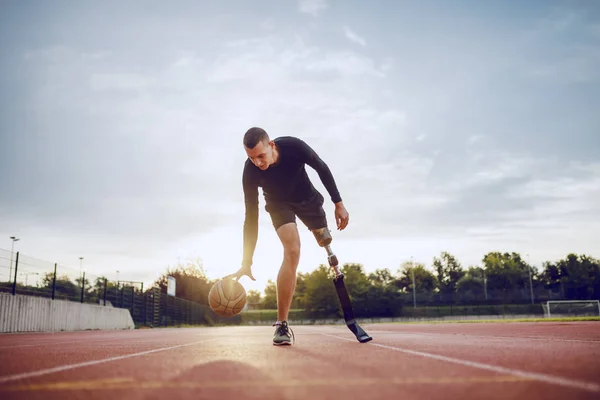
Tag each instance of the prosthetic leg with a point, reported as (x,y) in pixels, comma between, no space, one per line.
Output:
(324,240)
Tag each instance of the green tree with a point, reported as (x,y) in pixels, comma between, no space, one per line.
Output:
(64,288)
(191,282)
(96,292)
(476,272)
(508,275)
(253,297)
(551,278)
(299,293)
(359,289)
(269,302)
(577,275)
(320,298)
(470,288)
(381,277)
(425,280)
(357,282)
(449,272)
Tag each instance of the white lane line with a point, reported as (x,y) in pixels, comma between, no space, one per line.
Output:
(95,338)
(592,387)
(24,375)
(458,335)
(538,338)
(57,343)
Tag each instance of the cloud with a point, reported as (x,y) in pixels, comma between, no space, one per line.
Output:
(574,56)
(474,139)
(312,7)
(145,166)
(579,68)
(353,37)
(104,82)
(346,64)
(517,200)
(125,144)
(594,30)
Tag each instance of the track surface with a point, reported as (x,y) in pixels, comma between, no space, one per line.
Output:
(438,361)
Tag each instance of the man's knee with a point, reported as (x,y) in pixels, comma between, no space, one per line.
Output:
(288,233)
(291,251)
(323,236)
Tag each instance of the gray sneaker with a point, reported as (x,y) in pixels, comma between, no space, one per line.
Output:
(283,334)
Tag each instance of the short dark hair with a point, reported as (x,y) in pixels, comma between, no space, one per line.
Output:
(253,136)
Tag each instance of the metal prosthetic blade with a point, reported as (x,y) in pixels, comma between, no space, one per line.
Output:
(346,304)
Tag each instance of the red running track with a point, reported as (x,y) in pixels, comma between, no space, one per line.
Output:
(438,361)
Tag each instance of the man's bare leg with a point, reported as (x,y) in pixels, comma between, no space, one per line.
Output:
(286,279)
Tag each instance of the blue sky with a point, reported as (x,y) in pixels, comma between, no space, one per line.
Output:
(450,126)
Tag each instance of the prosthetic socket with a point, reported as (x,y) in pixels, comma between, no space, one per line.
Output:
(324,239)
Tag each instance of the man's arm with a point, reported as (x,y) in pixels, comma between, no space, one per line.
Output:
(312,158)
(251,218)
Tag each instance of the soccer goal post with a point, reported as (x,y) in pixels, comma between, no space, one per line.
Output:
(555,308)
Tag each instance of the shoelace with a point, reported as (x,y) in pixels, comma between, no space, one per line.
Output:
(283,329)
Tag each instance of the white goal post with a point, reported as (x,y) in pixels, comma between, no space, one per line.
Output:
(571,307)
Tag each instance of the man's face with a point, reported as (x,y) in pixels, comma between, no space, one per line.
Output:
(262,154)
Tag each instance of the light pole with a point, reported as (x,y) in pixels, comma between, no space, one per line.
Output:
(412,271)
(530,282)
(27,275)
(80,271)
(485,283)
(12,249)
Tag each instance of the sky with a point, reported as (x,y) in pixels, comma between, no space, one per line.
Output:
(456,126)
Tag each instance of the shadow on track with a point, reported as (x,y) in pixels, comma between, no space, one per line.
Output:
(222,379)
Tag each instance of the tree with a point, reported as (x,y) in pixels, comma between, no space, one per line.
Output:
(470,287)
(320,298)
(381,277)
(97,290)
(551,277)
(298,298)
(253,297)
(508,275)
(359,289)
(578,276)
(191,282)
(476,272)
(425,281)
(64,288)
(449,272)
(383,299)
(357,282)
(270,300)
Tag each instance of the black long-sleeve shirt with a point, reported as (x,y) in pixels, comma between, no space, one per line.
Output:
(285,181)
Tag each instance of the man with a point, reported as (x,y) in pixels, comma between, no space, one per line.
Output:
(278,166)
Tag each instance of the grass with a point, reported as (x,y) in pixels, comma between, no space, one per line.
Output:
(501,320)
(419,312)
(463,321)
(269,315)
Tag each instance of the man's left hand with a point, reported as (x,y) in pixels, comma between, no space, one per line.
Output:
(341,216)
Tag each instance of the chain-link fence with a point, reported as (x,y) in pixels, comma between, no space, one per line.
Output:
(151,306)
(526,294)
(24,275)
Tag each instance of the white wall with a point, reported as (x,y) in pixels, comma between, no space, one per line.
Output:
(21,313)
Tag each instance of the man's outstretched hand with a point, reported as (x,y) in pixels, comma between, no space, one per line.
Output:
(341,216)
(245,270)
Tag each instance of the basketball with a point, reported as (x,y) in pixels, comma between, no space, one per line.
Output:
(227,297)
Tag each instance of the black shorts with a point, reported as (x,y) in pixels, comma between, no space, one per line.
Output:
(310,212)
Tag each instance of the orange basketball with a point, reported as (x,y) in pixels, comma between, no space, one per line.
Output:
(227,297)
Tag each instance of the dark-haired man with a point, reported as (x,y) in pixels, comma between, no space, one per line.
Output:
(278,166)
